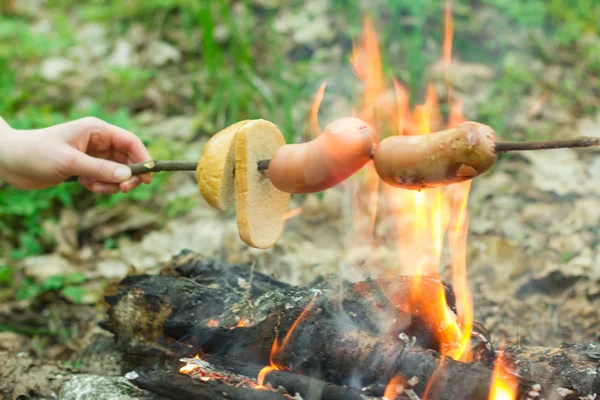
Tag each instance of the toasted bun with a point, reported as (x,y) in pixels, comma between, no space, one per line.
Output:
(215,170)
(260,206)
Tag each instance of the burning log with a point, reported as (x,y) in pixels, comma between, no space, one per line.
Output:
(192,293)
(319,348)
(339,336)
(179,387)
(168,382)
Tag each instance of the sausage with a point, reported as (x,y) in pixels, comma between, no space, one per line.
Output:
(436,159)
(345,146)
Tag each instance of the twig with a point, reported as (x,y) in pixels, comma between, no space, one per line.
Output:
(500,147)
(170,165)
(583,141)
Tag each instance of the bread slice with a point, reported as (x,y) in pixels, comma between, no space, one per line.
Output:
(260,206)
(215,171)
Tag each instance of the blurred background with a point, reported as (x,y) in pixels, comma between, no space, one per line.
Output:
(176,72)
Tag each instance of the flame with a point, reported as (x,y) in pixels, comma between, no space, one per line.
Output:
(242,322)
(291,213)
(504,385)
(366,64)
(188,368)
(425,219)
(213,323)
(448,33)
(315,129)
(536,107)
(277,348)
(395,387)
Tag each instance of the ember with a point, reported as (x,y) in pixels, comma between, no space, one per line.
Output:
(213,323)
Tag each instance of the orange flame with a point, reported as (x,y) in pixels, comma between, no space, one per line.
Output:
(366,63)
(213,323)
(423,219)
(395,387)
(291,213)
(448,33)
(314,128)
(504,385)
(277,348)
(188,368)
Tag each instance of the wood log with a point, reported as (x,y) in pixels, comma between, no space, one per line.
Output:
(319,347)
(350,336)
(192,291)
(307,387)
(174,386)
(169,383)
(574,367)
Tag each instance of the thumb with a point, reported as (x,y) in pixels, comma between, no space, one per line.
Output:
(99,169)
(4,124)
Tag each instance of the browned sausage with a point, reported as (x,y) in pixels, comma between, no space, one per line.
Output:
(342,149)
(436,159)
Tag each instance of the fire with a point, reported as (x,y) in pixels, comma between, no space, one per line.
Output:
(366,63)
(277,348)
(241,323)
(213,323)
(291,213)
(395,387)
(425,219)
(315,129)
(448,33)
(504,385)
(188,368)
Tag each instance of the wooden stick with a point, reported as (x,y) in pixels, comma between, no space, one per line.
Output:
(583,141)
(169,165)
(501,147)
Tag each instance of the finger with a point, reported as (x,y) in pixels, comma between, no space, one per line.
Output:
(122,158)
(99,187)
(98,169)
(4,124)
(112,155)
(146,178)
(118,139)
(131,184)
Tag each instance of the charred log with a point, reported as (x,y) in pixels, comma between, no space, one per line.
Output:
(573,367)
(349,337)
(174,386)
(319,348)
(215,273)
(193,292)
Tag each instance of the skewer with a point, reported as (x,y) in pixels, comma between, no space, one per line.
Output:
(500,147)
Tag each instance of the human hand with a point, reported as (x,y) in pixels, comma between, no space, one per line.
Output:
(89,148)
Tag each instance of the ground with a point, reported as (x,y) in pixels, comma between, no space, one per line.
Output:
(177,73)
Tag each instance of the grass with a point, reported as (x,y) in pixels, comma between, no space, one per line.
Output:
(236,64)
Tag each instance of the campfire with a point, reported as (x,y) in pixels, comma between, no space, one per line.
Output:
(206,329)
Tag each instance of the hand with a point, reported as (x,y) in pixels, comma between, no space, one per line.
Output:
(90,148)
